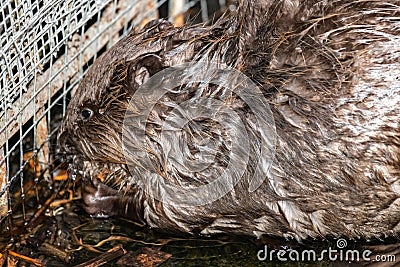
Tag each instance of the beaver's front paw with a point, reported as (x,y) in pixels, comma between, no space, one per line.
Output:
(99,200)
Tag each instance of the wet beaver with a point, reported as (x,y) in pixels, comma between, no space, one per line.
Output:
(330,74)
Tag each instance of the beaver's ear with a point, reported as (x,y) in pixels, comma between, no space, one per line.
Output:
(143,68)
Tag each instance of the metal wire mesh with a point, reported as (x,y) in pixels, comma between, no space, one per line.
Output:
(46,47)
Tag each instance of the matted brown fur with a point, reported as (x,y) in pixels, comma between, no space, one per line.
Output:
(330,71)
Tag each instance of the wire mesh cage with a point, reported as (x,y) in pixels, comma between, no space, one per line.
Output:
(46,48)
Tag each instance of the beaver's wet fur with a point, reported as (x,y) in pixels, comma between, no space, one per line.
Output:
(330,71)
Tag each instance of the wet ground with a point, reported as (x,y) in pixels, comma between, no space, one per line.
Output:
(71,237)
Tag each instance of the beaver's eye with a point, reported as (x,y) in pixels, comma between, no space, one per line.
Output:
(86,114)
